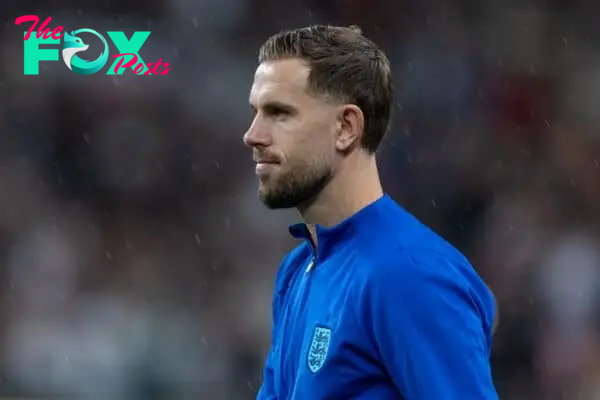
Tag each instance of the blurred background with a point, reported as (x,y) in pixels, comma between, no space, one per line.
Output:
(136,261)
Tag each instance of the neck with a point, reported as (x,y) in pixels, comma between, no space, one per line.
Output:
(353,187)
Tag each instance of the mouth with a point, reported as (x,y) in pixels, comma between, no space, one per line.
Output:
(265,160)
(264,166)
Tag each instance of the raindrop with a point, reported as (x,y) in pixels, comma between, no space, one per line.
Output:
(108,255)
(197,238)
(195,22)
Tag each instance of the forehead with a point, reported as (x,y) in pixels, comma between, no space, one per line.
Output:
(281,80)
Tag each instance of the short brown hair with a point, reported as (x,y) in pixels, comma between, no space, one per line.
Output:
(344,65)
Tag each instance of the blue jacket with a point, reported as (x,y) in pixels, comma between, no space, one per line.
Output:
(384,309)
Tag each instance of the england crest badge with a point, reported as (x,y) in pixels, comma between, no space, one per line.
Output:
(319,347)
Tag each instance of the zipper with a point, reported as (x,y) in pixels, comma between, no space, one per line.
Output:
(311,265)
(313,260)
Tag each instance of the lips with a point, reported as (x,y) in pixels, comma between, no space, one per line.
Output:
(265,159)
(264,166)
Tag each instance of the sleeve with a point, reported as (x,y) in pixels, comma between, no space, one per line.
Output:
(267,390)
(433,332)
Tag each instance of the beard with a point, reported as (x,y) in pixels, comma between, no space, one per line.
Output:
(295,188)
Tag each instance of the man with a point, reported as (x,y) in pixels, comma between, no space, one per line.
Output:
(372,304)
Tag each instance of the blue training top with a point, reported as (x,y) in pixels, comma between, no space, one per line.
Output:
(384,309)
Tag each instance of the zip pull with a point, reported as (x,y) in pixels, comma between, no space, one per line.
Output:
(310,266)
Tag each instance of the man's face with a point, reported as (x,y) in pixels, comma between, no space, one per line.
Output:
(292,135)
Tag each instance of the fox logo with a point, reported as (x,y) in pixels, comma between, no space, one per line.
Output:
(72,45)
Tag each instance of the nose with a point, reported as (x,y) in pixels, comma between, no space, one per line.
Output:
(257,135)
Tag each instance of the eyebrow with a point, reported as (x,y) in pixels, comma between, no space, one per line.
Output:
(275,104)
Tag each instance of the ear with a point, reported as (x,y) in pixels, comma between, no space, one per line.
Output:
(352,123)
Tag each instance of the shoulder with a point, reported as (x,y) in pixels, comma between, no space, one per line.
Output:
(426,276)
(404,252)
(429,269)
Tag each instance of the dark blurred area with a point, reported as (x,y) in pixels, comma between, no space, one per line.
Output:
(137,262)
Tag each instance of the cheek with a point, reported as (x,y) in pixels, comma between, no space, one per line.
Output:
(321,136)
(318,158)
(308,144)
(315,147)
(324,145)
(304,157)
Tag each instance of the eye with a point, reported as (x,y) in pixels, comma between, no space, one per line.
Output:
(277,112)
